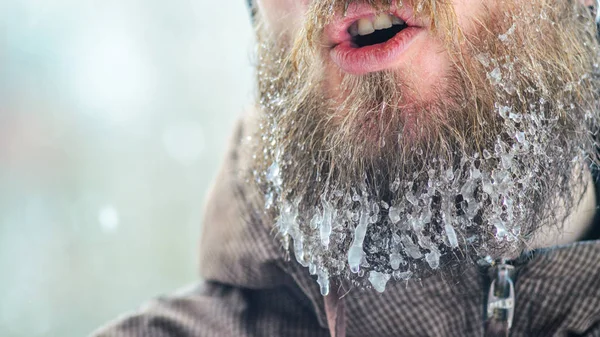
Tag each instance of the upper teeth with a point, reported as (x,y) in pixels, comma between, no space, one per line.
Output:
(366,26)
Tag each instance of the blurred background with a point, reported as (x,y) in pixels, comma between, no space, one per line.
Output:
(114,117)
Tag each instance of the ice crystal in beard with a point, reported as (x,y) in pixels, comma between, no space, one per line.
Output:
(369,220)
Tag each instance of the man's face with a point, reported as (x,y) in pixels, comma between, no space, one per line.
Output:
(398,138)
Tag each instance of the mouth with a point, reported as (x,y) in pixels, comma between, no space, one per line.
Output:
(365,41)
(366,32)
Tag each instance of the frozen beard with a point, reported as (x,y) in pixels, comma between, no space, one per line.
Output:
(364,189)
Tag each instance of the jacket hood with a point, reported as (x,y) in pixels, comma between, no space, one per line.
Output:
(557,289)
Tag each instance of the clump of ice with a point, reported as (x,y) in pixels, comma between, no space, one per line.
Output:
(379,280)
(274,174)
(433,259)
(505,37)
(495,76)
(394,214)
(410,247)
(395,260)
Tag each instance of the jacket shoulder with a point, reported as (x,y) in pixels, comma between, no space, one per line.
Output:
(203,310)
(214,309)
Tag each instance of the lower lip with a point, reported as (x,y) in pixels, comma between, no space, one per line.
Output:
(359,61)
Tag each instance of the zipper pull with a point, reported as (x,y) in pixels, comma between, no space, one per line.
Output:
(501,301)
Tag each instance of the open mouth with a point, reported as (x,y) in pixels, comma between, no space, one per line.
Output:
(365,41)
(379,29)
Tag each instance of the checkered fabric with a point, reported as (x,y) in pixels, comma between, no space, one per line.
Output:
(251,290)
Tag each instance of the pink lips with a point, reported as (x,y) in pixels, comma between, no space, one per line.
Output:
(376,57)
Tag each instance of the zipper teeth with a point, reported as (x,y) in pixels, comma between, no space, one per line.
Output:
(500,303)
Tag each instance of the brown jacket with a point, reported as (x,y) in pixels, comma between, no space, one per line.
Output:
(249,288)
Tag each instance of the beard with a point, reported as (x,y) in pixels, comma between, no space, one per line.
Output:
(373,182)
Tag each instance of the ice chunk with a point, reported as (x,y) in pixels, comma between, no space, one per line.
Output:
(395,260)
(503,110)
(375,208)
(379,280)
(475,173)
(495,76)
(274,174)
(269,200)
(451,233)
(484,59)
(410,197)
(287,219)
(449,174)
(507,161)
(411,248)
(394,214)
(515,117)
(398,275)
(501,231)
(433,259)
(509,32)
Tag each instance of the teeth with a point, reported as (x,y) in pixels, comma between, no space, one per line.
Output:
(397,21)
(382,21)
(365,27)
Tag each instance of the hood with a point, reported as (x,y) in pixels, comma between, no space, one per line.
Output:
(556,289)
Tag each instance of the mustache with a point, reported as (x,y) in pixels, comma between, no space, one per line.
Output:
(437,14)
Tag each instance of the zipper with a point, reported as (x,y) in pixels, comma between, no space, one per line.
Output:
(500,304)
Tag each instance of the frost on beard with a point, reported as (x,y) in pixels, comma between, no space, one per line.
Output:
(352,235)
(483,199)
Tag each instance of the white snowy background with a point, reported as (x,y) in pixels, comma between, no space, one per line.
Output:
(114,117)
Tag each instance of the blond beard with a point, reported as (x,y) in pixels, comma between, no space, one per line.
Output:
(369,196)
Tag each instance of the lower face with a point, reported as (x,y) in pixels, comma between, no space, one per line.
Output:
(366,41)
(399,139)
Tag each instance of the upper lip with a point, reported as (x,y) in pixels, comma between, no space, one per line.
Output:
(336,32)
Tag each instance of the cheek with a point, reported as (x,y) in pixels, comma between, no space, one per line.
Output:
(283,16)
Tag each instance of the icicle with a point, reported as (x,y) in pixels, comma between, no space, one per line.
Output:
(356,253)
(325,228)
(323,280)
